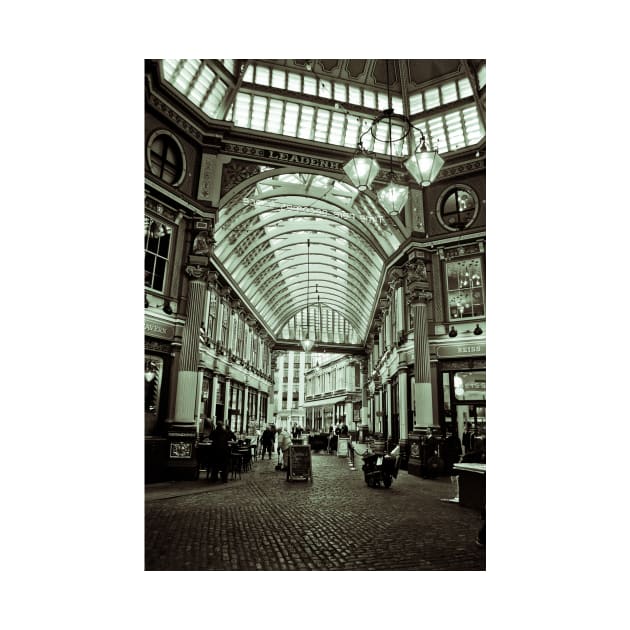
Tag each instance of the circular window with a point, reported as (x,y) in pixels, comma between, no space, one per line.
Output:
(458,207)
(166,158)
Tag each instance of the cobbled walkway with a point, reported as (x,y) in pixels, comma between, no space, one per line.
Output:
(334,523)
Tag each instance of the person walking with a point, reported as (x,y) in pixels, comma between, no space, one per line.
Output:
(283,440)
(267,442)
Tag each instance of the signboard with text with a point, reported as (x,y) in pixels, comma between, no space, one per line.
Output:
(461,350)
(300,465)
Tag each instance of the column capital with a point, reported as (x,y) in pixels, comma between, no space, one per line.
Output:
(419,296)
(197,272)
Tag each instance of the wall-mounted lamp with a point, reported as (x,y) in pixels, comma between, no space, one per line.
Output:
(146,301)
(167,307)
(452,332)
(477,330)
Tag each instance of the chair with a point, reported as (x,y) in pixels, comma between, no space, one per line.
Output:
(246,458)
(253,445)
(236,464)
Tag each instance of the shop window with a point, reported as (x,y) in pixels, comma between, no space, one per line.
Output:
(153,370)
(470,385)
(166,157)
(157,241)
(457,207)
(465,290)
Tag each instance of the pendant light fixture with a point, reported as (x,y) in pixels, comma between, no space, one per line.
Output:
(394,196)
(307,342)
(423,165)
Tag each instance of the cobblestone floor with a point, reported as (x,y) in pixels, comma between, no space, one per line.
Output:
(262,522)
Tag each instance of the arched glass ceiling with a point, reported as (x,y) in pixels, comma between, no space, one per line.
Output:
(261,241)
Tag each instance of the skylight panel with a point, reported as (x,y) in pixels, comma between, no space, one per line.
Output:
(198,90)
(214,99)
(464,88)
(306,122)
(455,130)
(268,215)
(369,99)
(352,131)
(262,75)
(321,125)
(249,74)
(397,105)
(310,86)
(274,117)
(355,95)
(437,133)
(291,113)
(383,101)
(169,66)
(186,74)
(278,78)
(472,125)
(294,82)
(230,65)
(481,75)
(449,92)
(415,103)
(241,109)
(259,113)
(336,128)
(325,89)
(341,92)
(289,178)
(432,98)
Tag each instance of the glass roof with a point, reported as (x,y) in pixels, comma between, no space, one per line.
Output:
(263,236)
(303,105)
(263,230)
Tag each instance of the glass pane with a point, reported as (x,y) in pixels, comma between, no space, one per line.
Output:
(432,98)
(294,82)
(274,119)
(278,79)
(470,385)
(449,93)
(415,103)
(262,75)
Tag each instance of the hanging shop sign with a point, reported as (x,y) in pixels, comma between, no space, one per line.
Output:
(280,156)
(460,350)
(154,328)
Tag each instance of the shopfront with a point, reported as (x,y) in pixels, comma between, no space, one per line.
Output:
(462,389)
(157,365)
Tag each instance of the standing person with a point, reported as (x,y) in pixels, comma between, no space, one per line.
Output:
(267,441)
(220,439)
(452,450)
(284,442)
(467,438)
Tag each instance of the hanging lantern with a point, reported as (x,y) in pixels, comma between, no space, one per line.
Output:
(424,165)
(362,170)
(393,197)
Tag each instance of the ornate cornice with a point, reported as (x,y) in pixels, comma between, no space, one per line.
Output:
(175,117)
(465,167)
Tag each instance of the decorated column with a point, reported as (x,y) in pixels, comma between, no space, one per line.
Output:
(419,296)
(187,378)
(183,429)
